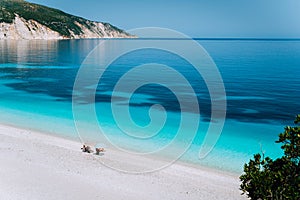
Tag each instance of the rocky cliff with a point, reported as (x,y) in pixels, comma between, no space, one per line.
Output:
(22,20)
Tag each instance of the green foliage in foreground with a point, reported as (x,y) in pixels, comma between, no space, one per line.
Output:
(54,19)
(265,178)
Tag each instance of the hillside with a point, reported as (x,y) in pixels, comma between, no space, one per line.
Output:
(23,20)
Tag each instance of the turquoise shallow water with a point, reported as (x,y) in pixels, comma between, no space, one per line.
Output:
(261,79)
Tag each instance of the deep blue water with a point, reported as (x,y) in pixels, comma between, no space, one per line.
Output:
(261,79)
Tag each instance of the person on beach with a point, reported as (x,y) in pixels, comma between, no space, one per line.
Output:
(86,149)
(98,150)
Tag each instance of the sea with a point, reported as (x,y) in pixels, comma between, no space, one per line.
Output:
(261,80)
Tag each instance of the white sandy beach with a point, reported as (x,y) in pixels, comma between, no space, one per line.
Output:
(40,166)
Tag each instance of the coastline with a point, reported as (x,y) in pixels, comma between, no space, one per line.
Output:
(36,165)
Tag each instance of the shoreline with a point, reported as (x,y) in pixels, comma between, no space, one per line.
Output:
(73,139)
(36,165)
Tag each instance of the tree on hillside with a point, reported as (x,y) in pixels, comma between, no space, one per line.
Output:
(265,178)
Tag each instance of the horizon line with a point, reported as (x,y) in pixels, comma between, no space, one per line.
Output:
(214,38)
(200,38)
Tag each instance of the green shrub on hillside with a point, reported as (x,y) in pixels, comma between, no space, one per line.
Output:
(54,19)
